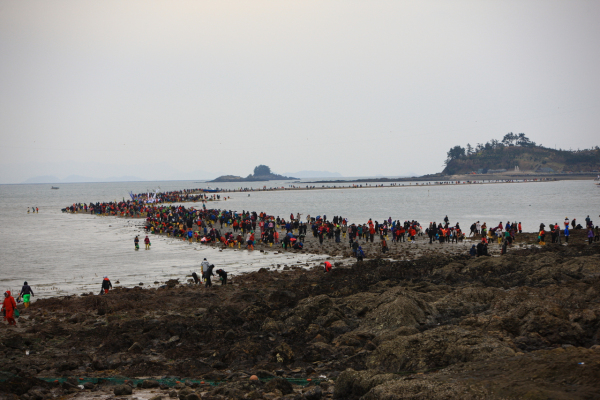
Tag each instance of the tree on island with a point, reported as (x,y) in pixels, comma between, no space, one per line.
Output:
(519,140)
(455,152)
(262,170)
(517,150)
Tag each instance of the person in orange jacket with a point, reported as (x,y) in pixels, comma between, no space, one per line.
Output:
(372,233)
(8,306)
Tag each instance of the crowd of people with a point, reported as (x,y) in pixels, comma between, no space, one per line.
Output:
(247,228)
(360,185)
(592,235)
(236,229)
(140,205)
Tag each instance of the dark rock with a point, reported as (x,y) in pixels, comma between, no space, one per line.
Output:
(135,348)
(173,394)
(280,384)
(183,393)
(157,397)
(261,373)
(122,390)
(370,346)
(88,385)
(219,365)
(192,396)
(171,283)
(66,385)
(352,384)
(150,384)
(73,381)
(67,366)
(230,335)
(314,393)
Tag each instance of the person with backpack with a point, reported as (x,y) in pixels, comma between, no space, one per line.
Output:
(360,254)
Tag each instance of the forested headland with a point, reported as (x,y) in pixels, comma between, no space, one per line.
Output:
(516,152)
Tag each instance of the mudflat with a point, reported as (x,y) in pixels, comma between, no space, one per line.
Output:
(524,325)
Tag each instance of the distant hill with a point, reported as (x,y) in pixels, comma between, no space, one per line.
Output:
(314,174)
(518,151)
(261,173)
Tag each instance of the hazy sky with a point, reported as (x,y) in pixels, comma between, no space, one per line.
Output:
(356,87)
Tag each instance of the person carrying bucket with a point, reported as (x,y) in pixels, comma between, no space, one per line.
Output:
(26,293)
(147,243)
(136,242)
(8,307)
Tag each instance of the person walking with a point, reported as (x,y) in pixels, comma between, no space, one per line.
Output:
(106,284)
(26,293)
(8,307)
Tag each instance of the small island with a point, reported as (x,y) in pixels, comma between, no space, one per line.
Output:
(261,173)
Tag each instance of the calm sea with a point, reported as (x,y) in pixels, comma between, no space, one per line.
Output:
(60,253)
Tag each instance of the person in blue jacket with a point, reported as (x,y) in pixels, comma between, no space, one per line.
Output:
(567,234)
(360,254)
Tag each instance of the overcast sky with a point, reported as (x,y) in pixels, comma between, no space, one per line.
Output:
(356,87)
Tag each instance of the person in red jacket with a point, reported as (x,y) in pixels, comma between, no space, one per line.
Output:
(327,266)
(9,306)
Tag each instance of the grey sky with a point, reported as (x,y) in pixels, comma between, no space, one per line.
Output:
(356,87)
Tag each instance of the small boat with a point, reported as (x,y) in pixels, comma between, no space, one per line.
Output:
(209,190)
(54,187)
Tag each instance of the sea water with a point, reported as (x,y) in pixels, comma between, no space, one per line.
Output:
(60,253)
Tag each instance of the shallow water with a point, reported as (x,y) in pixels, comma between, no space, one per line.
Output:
(62,253)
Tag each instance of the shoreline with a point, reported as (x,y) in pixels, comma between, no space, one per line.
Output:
(372,329)
(362,184)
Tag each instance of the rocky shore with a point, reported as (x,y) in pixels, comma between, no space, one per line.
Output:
(525,325)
